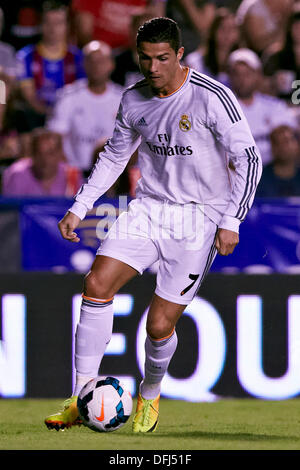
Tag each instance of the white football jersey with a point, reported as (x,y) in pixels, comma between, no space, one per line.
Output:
(185,141)
(84,118)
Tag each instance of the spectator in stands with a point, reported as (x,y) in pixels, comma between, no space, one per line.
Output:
(283,67)
(223,38)
(263,112)
(194,17)
(8,63)
(49,65)
(43,174)
(109,20)
(281,177)
(85,111)
(9,136)
(263,22)
(127,70)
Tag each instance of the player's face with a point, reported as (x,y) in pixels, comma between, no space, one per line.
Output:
(159,64)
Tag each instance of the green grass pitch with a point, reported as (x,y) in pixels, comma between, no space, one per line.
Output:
(244,424)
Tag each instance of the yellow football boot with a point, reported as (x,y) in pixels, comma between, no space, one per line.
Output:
(66,417)
(146,415)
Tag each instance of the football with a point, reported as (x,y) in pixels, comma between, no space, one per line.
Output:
(104,404)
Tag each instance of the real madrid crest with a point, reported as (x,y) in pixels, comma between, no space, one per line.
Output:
(184,123)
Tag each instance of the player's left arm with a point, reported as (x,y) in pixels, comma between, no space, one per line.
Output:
(231,129)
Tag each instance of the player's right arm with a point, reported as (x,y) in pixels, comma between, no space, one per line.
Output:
(67,225)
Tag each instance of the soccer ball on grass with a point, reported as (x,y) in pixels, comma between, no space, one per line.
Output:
(104,404)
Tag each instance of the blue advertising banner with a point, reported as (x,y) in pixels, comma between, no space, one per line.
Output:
(44,248)
(269,237)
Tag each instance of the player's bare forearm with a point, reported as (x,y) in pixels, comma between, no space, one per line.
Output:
(67,225)
(226,241)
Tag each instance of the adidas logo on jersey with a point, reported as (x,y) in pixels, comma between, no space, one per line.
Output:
(142,122)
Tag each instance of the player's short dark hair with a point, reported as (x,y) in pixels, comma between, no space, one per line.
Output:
(159,30)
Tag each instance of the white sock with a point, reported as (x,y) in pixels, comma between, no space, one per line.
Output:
(81,380)
(93,334)
(158,356)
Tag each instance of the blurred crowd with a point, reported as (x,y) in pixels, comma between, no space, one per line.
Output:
(64,66)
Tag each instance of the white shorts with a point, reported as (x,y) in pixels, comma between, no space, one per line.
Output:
(180,237)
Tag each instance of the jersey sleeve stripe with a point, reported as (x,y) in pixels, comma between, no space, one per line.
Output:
(254,180)
(224,104)
(221,93)
(252,173)
(222,90)
(139,84)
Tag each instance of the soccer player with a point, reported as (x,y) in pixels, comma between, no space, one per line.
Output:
(187,127)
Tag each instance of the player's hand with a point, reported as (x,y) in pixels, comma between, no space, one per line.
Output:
(67,226)
(226,241)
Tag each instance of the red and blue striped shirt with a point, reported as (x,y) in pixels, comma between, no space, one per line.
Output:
(47,73)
